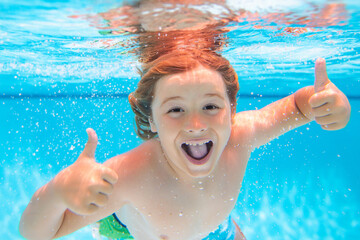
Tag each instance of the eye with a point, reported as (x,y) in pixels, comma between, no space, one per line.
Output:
(211,107)
(175,110)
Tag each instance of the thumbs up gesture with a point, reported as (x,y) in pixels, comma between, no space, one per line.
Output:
(330,106)
(84,186)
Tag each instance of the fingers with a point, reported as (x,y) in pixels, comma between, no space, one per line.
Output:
(321,98)
(333,126)
(332,121)
(326,120)
(109,175)
(99,195)
(91,208)
(331,115)
(90,147)
(85,209)
(102,187)
(321,77)
(93,205)
(99,200)
(323,111)
(329,122)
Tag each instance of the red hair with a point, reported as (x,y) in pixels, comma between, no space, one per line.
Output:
(178,61)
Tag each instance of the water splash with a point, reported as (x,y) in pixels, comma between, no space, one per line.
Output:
(320,209)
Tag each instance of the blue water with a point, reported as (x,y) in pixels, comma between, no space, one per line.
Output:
(57,78)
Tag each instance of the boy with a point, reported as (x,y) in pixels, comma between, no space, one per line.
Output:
(184,180)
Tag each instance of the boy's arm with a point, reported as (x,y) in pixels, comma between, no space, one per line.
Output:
(130,167)
(81,194)
(323,102)
(43,215)
(82,187)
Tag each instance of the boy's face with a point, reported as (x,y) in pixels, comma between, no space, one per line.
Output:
(192,116)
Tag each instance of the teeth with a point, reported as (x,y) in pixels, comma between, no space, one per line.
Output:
(197,144)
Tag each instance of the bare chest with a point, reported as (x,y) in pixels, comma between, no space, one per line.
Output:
(173,209)
(177,214)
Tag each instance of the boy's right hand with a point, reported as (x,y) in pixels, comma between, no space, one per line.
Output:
(85,185)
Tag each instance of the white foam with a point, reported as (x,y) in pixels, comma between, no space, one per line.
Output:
(267,5)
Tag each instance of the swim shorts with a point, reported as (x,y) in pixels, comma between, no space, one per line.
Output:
(112,228)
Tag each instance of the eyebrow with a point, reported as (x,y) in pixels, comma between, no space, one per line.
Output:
(178,97)
(169,99)
(215,95)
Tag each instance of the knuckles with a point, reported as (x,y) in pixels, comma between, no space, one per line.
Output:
(82,187)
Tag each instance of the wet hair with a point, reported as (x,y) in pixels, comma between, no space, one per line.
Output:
(177,61)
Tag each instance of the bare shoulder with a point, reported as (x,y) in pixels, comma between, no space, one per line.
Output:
(243,128)
(135,161)
(140,154)
(136,170)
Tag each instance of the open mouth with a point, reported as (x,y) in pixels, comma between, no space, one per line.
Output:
(197,151)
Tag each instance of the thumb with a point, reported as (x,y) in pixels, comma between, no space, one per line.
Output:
(90,147)
(321,77)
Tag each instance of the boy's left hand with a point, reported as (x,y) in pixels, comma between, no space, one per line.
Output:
(330,106)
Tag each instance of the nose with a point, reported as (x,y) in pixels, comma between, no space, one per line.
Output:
(195,124)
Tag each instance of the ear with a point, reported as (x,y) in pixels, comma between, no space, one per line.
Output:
(152,126)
